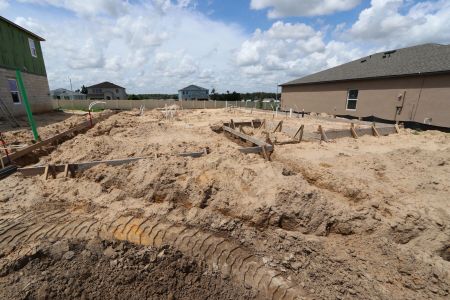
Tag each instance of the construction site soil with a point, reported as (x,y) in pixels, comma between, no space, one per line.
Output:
(365,218)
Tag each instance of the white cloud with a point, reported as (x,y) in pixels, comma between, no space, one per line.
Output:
(162,45)
(3,4)
(286,8)
(394,23)
(87,7)
(144,49)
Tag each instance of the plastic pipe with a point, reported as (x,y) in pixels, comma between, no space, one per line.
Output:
(23,92)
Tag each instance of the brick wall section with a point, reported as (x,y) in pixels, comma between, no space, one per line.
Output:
(37,90)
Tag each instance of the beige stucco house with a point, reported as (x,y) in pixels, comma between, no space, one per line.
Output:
(410,84)
(106,91)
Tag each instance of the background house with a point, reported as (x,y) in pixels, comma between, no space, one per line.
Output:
(63,94)
(409,84)
(193,92)
(106,91)
(21,50)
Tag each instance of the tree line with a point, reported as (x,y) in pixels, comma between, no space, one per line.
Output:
(227,96)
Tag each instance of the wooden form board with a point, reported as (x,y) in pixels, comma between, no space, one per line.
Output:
(29,149)
(32,171)
(332,134)
(253,123)
(251,139)
(66,168)
(341,133)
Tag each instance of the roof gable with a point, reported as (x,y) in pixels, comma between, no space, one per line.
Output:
(21,28)
(193,87)
(105,85)
(426,58)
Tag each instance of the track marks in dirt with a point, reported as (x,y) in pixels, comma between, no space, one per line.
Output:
(219,253)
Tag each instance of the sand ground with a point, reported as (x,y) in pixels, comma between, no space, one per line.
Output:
(349,219)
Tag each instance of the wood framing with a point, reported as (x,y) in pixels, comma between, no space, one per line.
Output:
(323,135)
(375,131)
(353,131)
(299,133)
(279,127)
(250,139)
(83,126)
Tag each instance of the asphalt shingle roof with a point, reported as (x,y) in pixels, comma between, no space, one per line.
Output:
(193,87)
(105,85)
(426,58)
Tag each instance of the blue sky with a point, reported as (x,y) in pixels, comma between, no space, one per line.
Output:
(159,46)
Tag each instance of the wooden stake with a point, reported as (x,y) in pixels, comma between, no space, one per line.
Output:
(264,152)
(279,127)
(66,170)
(52,170)
(232,124)
(375,131)
(353,131)
(46,172)
(299,133)
(397,128)
(323,136)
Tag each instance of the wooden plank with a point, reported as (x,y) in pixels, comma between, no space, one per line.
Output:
(353,131)
(45,172)
(323,136)
(278,127)
(66,168)
(287,142)
(375,131)
(27,150)
(387,130)
(299,133)
(265,154)
(256,149)
(192,154)
(256,123)
(245,137)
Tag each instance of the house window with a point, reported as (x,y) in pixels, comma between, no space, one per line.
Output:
(32,47)
(352,98)
(12,83)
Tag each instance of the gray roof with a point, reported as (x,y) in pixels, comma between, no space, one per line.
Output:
(427,58)
(61,91)
(193,87)
(105,85)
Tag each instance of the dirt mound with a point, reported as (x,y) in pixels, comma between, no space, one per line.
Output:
(71,269)
(352,218)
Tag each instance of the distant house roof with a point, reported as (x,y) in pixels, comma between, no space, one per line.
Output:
(421,59)
(193,87)
(105,85)
(21,28)
(61,91)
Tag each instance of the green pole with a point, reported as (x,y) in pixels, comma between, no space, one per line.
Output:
(27,105)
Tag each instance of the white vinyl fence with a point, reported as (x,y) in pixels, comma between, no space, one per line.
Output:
(152,104)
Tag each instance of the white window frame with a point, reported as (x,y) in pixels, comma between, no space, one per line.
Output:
(32,45)
(348,99)
(16,91)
